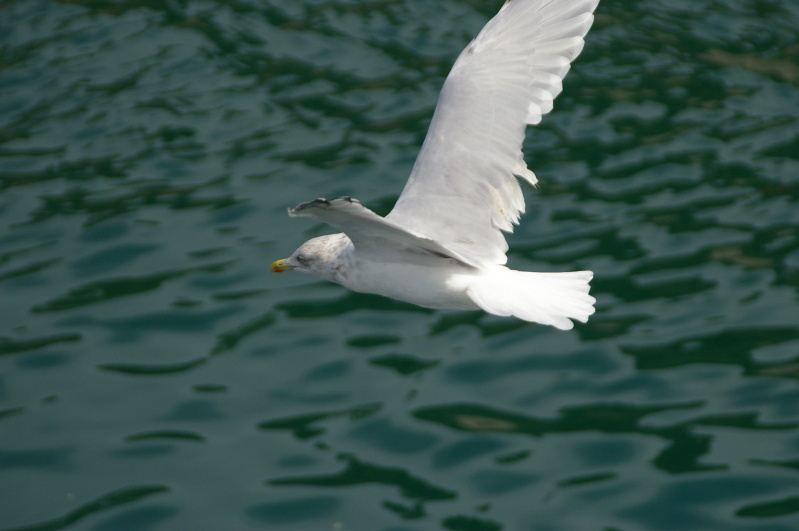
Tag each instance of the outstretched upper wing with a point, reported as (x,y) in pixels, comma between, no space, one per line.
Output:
(374,235)
(462,190)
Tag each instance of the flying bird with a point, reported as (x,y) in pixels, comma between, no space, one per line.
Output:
(442,244)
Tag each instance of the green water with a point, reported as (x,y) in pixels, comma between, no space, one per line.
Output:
(155,376)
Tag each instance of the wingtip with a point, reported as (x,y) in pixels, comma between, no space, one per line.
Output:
(321,202)
(318,202)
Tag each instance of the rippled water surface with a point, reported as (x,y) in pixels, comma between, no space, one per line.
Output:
(155,376)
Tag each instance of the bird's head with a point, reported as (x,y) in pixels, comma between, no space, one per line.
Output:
(318,257)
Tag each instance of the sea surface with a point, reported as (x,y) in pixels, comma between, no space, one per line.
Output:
(154,375)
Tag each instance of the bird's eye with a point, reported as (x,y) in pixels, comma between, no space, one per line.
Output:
(301,259)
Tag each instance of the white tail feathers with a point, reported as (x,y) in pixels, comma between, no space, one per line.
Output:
(546,298)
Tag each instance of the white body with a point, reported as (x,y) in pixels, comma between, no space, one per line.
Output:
(432,287)
(418,276)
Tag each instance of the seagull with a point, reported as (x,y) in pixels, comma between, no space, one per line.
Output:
(442,246)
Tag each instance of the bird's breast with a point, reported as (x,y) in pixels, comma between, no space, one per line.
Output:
(431,287)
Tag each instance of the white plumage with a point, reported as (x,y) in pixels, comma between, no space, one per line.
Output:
(442,246)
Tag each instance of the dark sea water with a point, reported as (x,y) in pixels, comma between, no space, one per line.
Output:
(155,376)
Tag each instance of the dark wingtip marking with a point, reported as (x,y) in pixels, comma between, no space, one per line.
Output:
(321,202)
(348,199)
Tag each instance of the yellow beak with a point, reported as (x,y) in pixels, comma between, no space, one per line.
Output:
(278,266)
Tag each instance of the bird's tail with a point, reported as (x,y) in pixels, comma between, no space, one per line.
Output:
(546,298)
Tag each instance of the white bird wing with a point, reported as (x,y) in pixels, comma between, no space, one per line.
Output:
(374,236)
(462,191)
